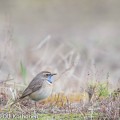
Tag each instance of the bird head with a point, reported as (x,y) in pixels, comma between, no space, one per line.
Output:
(48,76)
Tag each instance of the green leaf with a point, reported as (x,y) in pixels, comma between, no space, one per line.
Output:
(23,71)
(103,90)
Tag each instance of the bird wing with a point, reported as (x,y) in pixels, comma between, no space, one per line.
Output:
(34,85)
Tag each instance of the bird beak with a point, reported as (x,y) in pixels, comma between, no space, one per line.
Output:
(54,74)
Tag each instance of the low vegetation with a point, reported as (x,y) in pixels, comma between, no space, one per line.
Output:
(96,102)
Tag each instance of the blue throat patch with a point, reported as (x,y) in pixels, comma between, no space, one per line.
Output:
(50,79)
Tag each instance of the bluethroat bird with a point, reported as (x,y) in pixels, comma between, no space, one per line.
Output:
(39,88)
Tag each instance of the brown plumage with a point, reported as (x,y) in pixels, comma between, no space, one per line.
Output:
(36,84)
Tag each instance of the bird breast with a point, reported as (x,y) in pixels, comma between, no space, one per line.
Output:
(44,92)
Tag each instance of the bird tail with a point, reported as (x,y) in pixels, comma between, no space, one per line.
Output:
(17,100)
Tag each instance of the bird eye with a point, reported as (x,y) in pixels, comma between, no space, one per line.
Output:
(47,74)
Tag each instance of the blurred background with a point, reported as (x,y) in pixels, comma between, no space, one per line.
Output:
(78,39)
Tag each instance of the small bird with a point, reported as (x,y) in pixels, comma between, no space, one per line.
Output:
(39,88)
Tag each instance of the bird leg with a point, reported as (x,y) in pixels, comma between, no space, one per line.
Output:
(35,110)
(35,105)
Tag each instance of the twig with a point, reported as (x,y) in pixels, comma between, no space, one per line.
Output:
(5,81)
(66,70)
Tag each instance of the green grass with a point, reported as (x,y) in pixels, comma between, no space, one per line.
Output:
(47,117)
(23,72)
